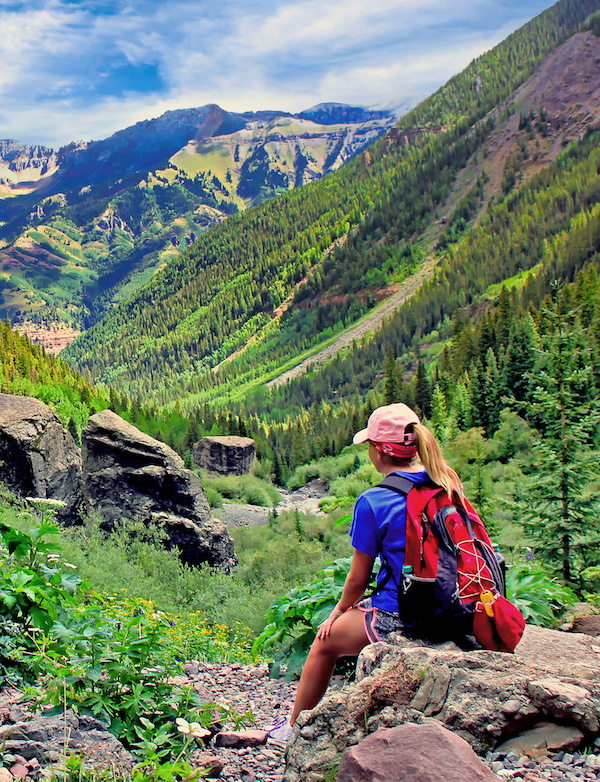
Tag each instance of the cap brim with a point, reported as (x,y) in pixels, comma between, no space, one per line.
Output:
(360,437)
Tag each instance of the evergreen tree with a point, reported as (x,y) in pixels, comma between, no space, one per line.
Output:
(557,506)
(503,318)
(422,392)
(439,414)
(519,359)
(391,378)
(493,392)
(299,452)
(478,411)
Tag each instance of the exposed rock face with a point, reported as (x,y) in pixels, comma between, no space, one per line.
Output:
(38,456)
(109,222)
(129,475)
(43,738)
(484,697)
(227,455)
(419,753)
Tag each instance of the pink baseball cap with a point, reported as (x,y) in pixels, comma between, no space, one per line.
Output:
(387,424)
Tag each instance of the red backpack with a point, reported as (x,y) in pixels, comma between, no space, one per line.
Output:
(453,580)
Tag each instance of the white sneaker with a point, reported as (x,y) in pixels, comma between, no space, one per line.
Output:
(281,731)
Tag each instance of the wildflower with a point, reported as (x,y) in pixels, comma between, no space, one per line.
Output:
(68,564)
(183,726)
(191,728)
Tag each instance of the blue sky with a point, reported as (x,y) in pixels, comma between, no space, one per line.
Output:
(83,69)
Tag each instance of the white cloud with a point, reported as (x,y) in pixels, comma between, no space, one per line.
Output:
(63,62)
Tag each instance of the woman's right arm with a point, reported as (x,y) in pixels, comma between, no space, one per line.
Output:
(355,584)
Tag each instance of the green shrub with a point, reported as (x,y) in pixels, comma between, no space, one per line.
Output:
(328,469)
(214,497)
(242,488)
(541,599)
(291,622)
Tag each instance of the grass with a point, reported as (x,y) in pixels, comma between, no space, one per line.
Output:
(517,281)
(129,566)
(247,489)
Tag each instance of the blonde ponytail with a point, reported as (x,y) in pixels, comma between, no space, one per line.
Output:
(434,462)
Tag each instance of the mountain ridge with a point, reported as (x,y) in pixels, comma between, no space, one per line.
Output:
(387,239)
(160,138)
(107,215)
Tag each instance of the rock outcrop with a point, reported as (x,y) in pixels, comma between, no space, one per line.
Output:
(487,698)
(228,455)
(38,456)
(130,475)
(413,753)
(45,739)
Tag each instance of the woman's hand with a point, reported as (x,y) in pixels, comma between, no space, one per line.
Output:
(324,628)
(354,588)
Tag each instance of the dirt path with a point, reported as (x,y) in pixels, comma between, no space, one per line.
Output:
(368,325)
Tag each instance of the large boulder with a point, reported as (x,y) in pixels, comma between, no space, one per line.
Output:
(228,455)
(487,698)
(413,753)
(129,475)
(38,456)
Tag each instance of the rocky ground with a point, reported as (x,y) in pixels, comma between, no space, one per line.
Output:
(246,688)
(253,756)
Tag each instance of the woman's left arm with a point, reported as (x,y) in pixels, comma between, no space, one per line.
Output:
(354,588)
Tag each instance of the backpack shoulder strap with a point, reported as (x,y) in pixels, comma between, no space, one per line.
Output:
(402,485)
(397,483)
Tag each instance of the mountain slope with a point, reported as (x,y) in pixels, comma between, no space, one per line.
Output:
(392,205)
(95,220)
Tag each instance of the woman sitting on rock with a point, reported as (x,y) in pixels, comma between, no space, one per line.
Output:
(398,443)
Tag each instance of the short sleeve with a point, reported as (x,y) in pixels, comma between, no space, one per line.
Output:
(363,532)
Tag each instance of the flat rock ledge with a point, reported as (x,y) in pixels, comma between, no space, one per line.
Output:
(487,698)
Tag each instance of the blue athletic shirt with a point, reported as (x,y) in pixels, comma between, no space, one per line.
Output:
(379,524)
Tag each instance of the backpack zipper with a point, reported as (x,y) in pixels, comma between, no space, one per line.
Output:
(424,535)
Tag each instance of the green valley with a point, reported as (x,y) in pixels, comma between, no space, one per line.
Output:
(267,287)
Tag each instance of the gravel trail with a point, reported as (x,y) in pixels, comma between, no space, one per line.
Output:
(369,324)
(247,687)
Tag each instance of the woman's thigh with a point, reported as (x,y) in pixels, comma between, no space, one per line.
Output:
(347,635)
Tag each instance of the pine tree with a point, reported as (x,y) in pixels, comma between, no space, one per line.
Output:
(439,414)
(478,412)
(494,390)
(422,392)
(391,378)
(519,359)
(503,318)
(556,505)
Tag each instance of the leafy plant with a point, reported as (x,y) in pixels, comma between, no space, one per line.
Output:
(33,594)
(291,622)
(540,598)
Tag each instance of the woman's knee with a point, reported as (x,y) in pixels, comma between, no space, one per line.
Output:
(324,649)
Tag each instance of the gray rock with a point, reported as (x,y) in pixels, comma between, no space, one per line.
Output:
(129,475)
(43,735)
(228,455)
(566,654)
(566,701)
(38,456)
(484,697)
(546,736)
(415,753)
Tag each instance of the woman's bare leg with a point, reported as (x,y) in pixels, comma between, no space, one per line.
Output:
(347,637)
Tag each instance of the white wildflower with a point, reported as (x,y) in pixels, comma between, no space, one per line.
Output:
(183,726)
